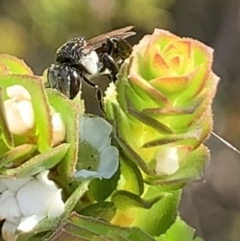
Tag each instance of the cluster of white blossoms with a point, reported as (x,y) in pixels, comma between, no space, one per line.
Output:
(24,202)
(20,114)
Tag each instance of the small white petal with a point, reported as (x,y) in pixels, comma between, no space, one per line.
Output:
(8,206)
(3,186)
(56,207)
(34,198)
(84,174)
(8,231)
(15,220)
(27,113)
(167,160)
(109,160)
(20,116)
(28,223)
(96,131)
(43,178)
(18,92)
(13,184)
(59,130)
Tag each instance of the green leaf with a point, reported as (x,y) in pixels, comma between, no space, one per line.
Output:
(160,216)
(71,232)
(131,175)
(18,154)
(38,163)
(35,87)
(88,229)
(74,198)
(3,69)
(179,230)
(5,133)
(39,230)
(126,200)
(70,114)
(100,210)
(191,169)
(101,189)
(13,65)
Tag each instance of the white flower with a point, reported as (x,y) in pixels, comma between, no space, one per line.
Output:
(96,132)
(24,202)
(167,160)
(19,110)
(59,130)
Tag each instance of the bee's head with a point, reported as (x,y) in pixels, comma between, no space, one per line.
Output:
(65,79)
(72,51)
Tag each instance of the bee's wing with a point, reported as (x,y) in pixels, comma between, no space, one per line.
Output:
(96,42)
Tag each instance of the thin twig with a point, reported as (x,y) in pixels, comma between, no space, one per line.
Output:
(226,143)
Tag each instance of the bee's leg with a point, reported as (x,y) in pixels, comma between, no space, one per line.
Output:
(124,48)
(98,92)
(90,83)
(47,85)
(109,63)
(119,47)
(99,97)
(110,46)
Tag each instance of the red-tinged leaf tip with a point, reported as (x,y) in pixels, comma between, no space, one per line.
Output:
(159,62)
(14,65)
(170,85)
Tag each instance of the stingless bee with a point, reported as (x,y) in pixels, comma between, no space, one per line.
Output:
(80,60)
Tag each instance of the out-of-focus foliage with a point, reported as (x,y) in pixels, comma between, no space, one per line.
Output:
(33,30)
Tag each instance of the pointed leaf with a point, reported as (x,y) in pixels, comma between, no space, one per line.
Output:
(100,210)
(101,189)
(179,229)
(5,133)
(19,153)
(35,87)
(14,65)
(160,216)
(125,200)
(70,111)
(38,163)
(191,169)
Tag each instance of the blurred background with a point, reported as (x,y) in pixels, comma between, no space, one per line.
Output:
(33,30)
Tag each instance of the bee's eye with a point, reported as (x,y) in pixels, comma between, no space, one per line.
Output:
(75,83)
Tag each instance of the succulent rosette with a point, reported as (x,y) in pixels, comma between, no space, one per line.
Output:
(162,109)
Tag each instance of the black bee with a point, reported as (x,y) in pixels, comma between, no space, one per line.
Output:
(78,60)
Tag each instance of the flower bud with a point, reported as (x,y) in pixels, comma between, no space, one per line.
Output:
(19,110)
(59,130)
